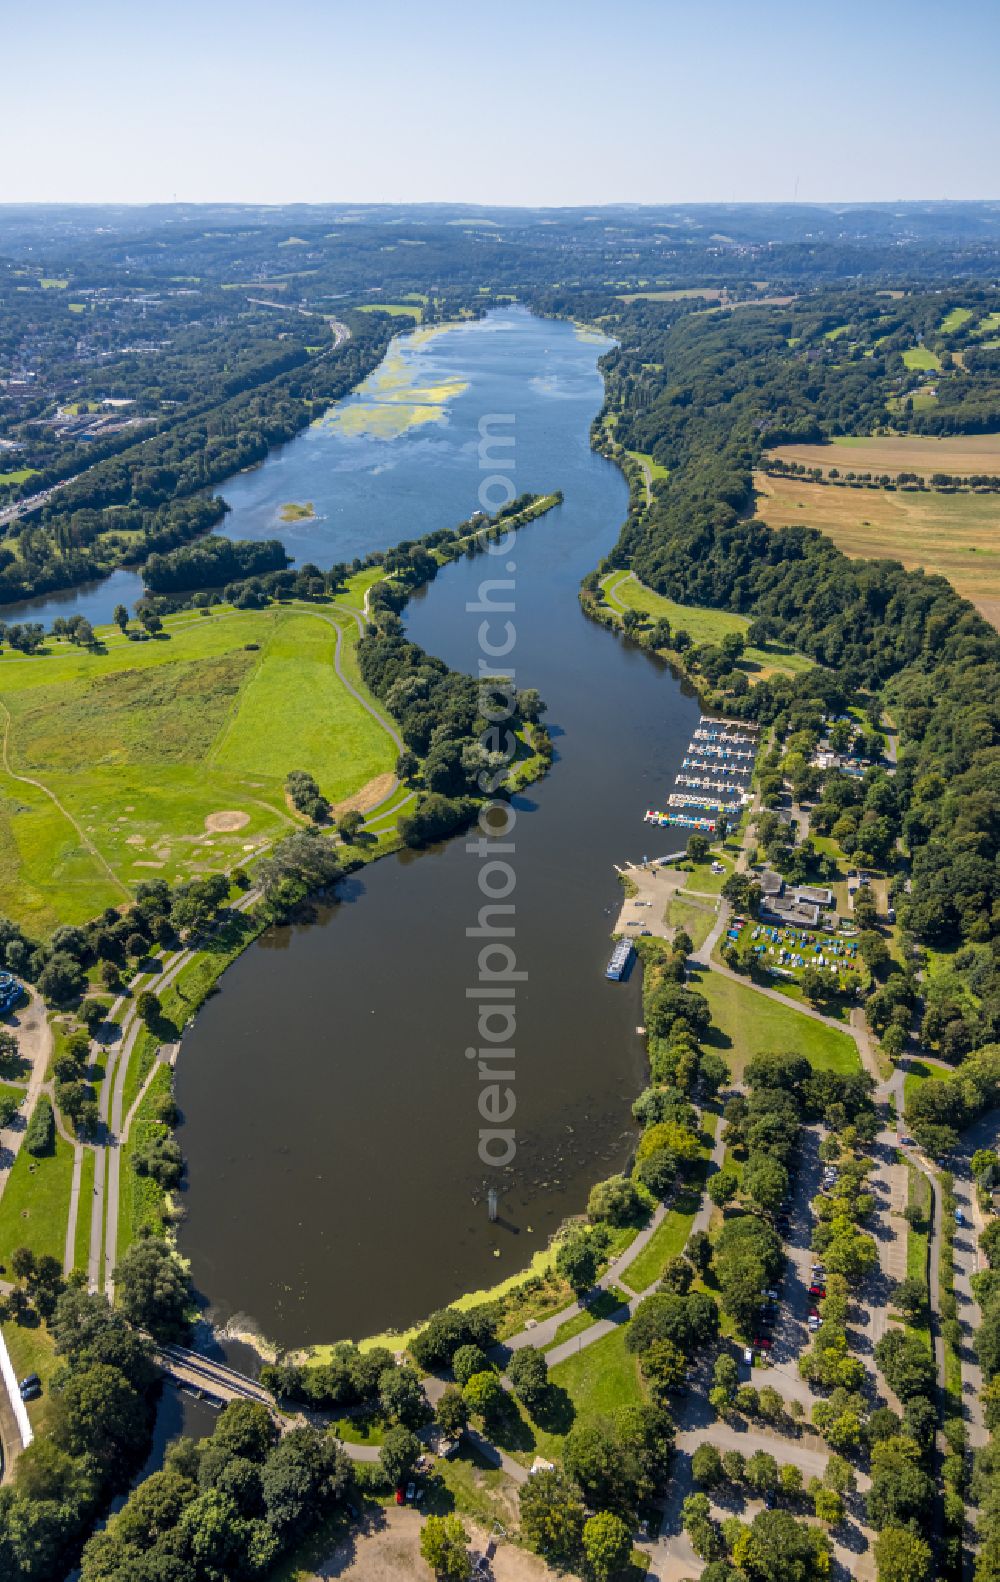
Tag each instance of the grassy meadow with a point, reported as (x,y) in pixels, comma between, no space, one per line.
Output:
(168,758)
(623,591)
(951,535)
(746,1023)
(921,359)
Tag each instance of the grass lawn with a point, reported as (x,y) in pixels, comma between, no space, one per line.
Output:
(356,587)
(20,476)
(603,1305)
(396,309)
(746,1023)
(955,319)
(595,1380)
(32,1350)
(169,757)
(622,591)
(710,293)
(702,881)
(141,1199)
(951,535)
(360,1430)
(917,1243)
(81,1249)
(601,1377)
(921,357)
(667,1241)
(696,918)
(34,1209)
(656,468)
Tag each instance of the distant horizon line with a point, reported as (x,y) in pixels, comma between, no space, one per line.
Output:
(517,208)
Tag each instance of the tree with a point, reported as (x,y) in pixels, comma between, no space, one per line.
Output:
(349,824)
(664,1368)
(765,1182)
(62,979)
(552,1517)
(444,1544)
(577,1258)
(699,1250)
(98,1413)
(777,1548)
(677,1275)
(615,1201)
(148,1006)
(153,1289)
(304,1473)
(902,1556)
(827,1503)
(706,1466)
(467,1361)
(909,1296)
(790,1480)
(723,1187)
(816,985)
(120,617)
(900,1488)
(529,1375)
(398,1455)
(908,1368)
(453,1412)
(607,1544)
(771,1404)
(485,1395)
(762,1472)
(697,848)
(401,1397)
(690,1322)
(734,1465)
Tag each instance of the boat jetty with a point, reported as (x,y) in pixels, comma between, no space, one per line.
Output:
(714,778)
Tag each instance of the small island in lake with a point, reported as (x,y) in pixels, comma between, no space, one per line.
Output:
(293,511)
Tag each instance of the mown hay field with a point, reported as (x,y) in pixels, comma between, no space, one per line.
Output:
(952,535)
(924,454)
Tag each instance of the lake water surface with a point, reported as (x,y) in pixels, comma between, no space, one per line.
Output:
(330,1118)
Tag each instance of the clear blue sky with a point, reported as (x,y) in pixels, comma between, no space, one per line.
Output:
(523,101)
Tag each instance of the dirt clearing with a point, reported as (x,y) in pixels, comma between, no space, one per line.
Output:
(223,823)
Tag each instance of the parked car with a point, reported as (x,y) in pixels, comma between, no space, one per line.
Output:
(817,1291)
(30,1387)
(762,1342)
(907,1142)
(400,1495)
(411,1492)
(959,1217)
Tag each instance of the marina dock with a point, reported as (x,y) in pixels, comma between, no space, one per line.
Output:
(714,778)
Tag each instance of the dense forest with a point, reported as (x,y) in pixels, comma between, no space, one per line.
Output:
(705,394)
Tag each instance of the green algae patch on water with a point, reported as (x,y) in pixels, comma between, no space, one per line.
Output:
(395,398)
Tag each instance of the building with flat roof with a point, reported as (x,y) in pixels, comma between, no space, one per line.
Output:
(813,896)
(770,883)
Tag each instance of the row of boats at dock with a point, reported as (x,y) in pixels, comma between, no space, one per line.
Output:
(713,782)
(714,778)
